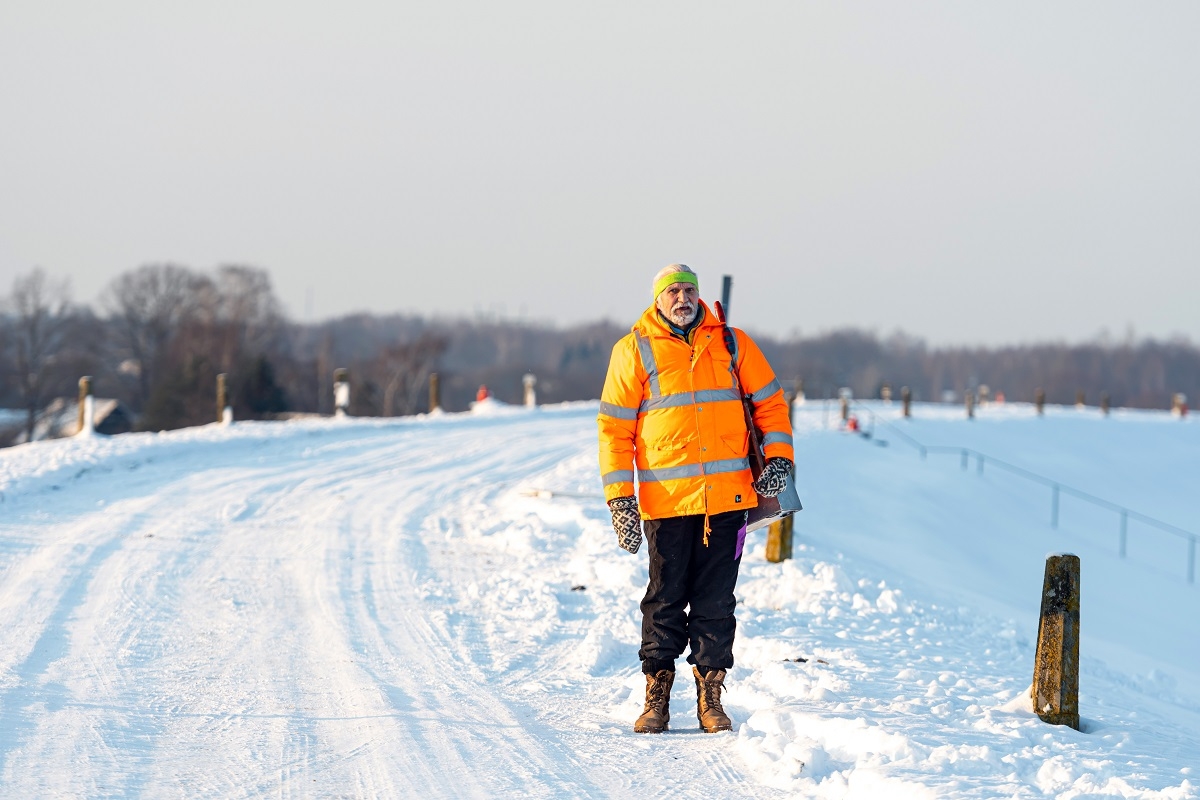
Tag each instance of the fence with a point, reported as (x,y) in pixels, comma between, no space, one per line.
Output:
(1057,489)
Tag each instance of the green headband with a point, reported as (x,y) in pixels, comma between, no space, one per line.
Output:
(674,277)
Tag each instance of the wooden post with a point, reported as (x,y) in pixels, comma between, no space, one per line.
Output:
(1055,691)
(85,388)
(906,398)
(341,392)
(779,540)
(779,534)
(969,399)
(530,380)
(1079,403)
(1039,399)
(1104,402)
(224,408)
(87,407)
(87,414)
(435,395)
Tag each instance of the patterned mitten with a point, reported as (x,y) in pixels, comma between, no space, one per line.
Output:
(627,522)
(771,482)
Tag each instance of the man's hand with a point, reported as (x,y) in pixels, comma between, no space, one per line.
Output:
(627,522)
(771,482)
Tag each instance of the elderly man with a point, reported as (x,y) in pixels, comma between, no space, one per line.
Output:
(672,407)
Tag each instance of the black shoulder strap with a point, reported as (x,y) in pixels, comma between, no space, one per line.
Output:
(732,347)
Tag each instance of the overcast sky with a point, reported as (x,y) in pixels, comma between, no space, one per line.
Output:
(966,172)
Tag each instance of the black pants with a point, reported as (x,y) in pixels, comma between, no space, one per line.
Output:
(690,597)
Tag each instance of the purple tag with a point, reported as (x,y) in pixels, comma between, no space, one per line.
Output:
(741,542)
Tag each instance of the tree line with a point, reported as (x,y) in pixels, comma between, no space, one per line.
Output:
(159,335)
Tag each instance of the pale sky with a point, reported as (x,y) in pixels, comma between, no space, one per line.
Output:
(966,172)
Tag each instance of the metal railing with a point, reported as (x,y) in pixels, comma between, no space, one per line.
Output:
(1057,489)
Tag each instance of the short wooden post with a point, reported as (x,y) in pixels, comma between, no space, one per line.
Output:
(1055,692)
(969,399)
(341,392)
(1039,400)
(435,395)
(906,398)
(530,380)
(87,407)
(779,533)
(779,540)
(1104,403)
(224,407)
(1079,402)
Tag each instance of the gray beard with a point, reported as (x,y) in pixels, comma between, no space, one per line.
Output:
(683,318)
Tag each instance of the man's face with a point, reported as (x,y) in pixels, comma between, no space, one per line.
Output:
(679,303)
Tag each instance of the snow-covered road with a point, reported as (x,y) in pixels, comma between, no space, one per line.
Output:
(264,615)
(376,609)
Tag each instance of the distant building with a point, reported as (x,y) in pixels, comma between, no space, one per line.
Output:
(12,420)
(60,419)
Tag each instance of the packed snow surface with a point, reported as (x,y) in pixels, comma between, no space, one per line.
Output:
(436,607)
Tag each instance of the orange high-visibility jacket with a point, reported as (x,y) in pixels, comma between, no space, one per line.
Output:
(673,410)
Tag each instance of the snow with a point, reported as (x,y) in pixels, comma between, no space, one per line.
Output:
(437,607)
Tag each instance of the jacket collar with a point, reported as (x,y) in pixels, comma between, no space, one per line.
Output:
(651,324)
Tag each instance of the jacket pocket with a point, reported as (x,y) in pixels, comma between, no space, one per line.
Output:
(668,445)
(736,443)
(668,452)
(722,371)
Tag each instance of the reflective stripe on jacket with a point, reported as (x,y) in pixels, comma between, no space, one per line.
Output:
(672,410)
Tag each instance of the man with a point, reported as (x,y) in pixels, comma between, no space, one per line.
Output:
(672,407)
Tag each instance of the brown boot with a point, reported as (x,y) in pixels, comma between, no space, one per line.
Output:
(658,699)
(708,701)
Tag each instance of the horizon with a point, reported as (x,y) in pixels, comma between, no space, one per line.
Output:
(499,316)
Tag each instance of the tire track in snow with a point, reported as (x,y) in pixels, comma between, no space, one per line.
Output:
(143,626)
(487,736)
(34,687)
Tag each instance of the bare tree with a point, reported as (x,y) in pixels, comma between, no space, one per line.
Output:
(40,314)
(406,368)
(7,378)
(148,306)
(233,326)
(247,313)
